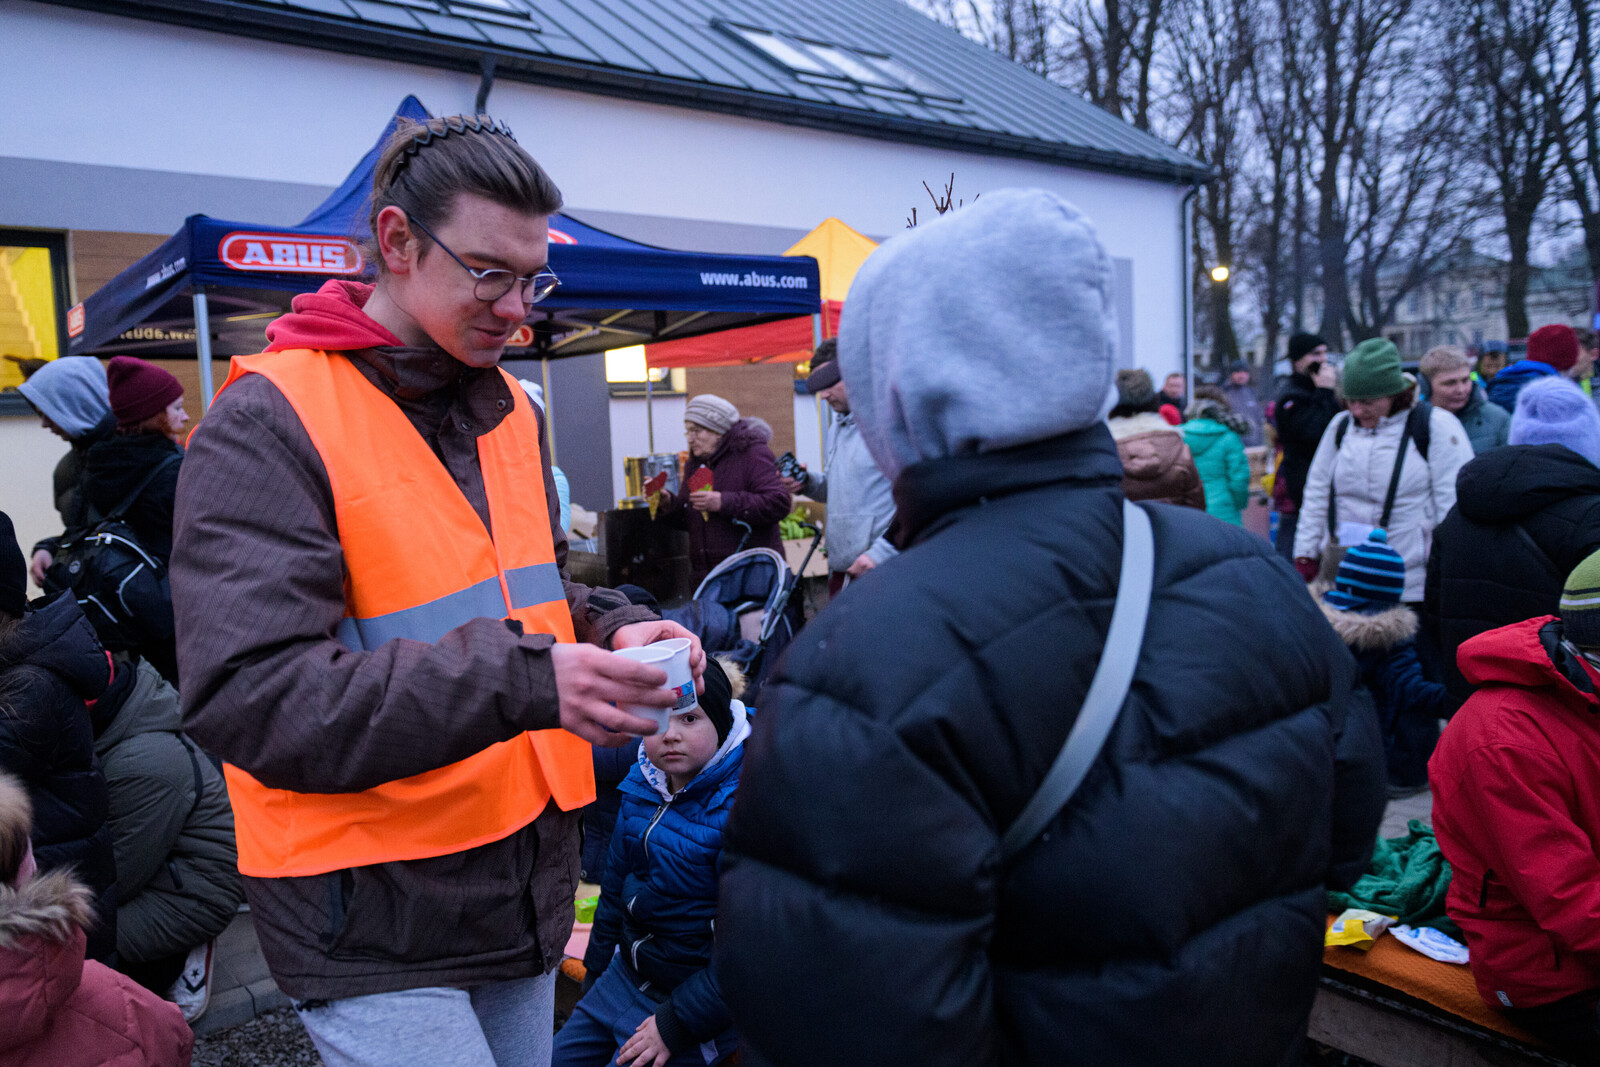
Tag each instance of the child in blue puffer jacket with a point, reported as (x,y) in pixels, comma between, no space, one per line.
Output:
(1364,609)
(651,998)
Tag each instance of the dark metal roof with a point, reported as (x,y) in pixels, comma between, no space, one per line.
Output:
(950,91)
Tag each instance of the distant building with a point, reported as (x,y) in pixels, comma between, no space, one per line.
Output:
(1463,303)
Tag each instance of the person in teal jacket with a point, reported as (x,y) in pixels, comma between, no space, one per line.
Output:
(1219,457)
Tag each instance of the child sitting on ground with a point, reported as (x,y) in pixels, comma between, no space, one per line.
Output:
(1365,610)
(60,1010)
(651,998)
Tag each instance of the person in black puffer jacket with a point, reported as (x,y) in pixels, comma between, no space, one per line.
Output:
(1525,516)
(50,663)
(148,404)
(865,917)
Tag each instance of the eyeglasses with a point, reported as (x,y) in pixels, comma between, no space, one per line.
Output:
(491,285)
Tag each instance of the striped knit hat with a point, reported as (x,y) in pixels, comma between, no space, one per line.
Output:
(1372,573)
(1580,604)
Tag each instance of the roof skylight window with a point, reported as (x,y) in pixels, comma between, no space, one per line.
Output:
(840,67)
(785,52)
(505,12)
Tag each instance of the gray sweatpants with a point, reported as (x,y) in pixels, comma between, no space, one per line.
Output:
(499,1024)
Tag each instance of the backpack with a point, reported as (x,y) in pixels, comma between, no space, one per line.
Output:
(120,585)
(1417,430)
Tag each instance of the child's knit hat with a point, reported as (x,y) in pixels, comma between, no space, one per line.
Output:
(1372,573)
(1580,604)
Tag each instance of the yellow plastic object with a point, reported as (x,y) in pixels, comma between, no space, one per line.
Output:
(1358,928)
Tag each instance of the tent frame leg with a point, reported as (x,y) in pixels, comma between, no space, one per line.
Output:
(202,344)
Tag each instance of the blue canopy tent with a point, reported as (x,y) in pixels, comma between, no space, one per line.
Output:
(212,287)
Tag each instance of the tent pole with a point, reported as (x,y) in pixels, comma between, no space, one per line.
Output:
(816,341)
(202,344)
(650,409)
(549,409)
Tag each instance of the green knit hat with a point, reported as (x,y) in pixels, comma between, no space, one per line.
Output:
(1580,604)
(1373,371)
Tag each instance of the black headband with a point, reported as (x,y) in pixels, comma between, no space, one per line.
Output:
(822,377)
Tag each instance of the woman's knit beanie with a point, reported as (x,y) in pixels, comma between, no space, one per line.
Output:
(1555,344)
(712,412)
(1371,573)
(1555,411)
(1580,603)
(1373,371)
(1136,391)
(139,389)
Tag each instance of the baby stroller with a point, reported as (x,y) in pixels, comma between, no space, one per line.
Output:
(746,611)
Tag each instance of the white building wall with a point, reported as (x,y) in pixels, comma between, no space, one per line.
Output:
(201,103)
(27,494)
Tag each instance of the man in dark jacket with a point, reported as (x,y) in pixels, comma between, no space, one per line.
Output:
(51,663)
(1305,406)
(1552,350)
(1525,516)
(73,402)
(867,917)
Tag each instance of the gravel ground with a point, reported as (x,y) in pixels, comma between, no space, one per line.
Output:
(273,1039)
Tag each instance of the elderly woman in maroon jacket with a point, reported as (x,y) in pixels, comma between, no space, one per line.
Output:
(744,488)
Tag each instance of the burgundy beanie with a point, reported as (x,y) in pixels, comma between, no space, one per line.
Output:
(1555,344)
(140,390)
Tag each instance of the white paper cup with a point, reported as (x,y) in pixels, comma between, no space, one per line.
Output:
(673,657)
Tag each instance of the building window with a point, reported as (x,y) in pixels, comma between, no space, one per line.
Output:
(1477,300)
(626,375)
(33,308)
(839,67)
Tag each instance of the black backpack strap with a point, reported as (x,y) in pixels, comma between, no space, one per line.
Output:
(144,483)
(1421,423)
(1394,479)
(1333,483)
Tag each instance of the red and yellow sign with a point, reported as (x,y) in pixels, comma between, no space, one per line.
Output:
(290,254)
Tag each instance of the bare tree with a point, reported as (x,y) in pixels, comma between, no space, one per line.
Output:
(1111,49)
(1519,96)
(1020,30)
(1579,143)
(1277,91)
(1208,54)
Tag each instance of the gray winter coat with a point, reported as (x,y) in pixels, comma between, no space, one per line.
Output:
(860,499)
(177,877)
(1487,424)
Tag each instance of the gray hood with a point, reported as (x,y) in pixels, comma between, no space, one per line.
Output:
(71,392)
(989,327)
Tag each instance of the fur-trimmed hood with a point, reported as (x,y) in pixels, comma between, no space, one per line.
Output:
(51,906)
(1371,633)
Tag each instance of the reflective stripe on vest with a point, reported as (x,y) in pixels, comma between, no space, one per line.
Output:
(419,564)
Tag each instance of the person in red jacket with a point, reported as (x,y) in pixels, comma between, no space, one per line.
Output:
(56,1008)
(1516,809)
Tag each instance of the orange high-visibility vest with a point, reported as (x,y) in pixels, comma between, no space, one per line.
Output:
(419,564)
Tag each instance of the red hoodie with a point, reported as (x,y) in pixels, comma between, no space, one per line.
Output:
(1516,809)
(331,320)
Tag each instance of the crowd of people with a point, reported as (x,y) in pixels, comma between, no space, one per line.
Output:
(1070,753)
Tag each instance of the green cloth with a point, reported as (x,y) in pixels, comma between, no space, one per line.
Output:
(1408,877)
(1224,469)
(1373,370)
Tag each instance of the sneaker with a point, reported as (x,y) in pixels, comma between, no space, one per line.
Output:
(192,991)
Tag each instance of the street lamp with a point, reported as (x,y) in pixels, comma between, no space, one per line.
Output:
(1219,273)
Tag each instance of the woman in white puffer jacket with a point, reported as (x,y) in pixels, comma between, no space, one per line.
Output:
(1355,465)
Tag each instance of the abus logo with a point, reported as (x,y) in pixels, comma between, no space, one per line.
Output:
(522,338)
(559,238)
(283,254)
(75,320)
